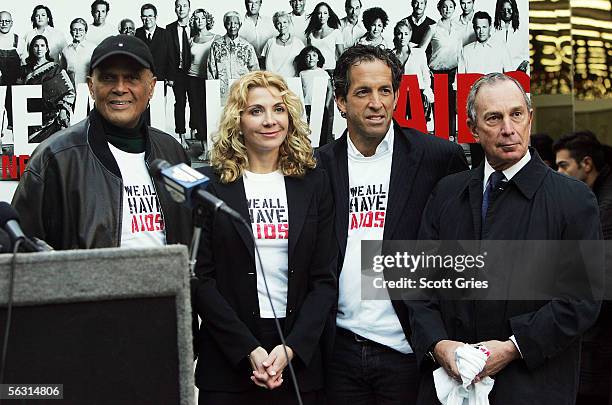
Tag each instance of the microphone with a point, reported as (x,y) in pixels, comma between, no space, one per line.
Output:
(9,221)
(5,242)
(186,186)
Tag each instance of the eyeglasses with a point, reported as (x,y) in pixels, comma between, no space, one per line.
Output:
(6,21)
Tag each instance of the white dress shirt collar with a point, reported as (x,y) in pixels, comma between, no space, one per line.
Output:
(386,145)
(509,172)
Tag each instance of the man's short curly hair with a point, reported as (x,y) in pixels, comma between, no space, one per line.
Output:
(364,53)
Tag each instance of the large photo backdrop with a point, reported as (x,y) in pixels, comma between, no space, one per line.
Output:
(444,46)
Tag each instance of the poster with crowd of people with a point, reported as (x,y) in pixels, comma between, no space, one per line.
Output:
(200,47)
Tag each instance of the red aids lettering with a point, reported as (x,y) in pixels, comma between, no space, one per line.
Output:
(409,87)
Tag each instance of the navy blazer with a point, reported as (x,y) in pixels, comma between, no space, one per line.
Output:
(536,204)
(419,161)
(227,298)
(174,56)
(159,49)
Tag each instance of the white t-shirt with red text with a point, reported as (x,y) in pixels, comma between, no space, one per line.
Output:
(267,202)
(368,197)
(142,222)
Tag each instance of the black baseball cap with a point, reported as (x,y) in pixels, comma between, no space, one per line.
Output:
(122,45)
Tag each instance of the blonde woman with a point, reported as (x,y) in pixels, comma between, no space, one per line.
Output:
(202,23)
(414,62)
(262,165)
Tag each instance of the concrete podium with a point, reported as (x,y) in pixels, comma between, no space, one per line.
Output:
(112,325)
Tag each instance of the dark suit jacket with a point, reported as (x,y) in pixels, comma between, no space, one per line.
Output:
(537,204)
(227,294)
(603,191)
(159,49)
(597,343)
(174,49)
(419,161)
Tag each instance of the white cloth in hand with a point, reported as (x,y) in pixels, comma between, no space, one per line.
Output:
(470,361)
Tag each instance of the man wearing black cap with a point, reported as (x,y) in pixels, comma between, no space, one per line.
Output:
(88,186)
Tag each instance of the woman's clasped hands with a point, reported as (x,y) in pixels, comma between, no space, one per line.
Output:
(268,367)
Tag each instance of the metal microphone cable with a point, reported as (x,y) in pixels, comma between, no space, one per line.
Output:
(276,322)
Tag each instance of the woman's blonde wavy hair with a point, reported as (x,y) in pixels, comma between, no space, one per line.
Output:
(228,155)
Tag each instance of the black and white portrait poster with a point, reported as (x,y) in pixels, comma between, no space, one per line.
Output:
(444,46)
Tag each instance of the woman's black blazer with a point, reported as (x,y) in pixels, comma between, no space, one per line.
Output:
(226,296)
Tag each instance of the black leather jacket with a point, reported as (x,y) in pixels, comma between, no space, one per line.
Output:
(70,194)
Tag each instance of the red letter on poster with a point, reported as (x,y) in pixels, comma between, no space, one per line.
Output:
(441,121)
(464,84)
(9,167)
(409,87)
(23,161)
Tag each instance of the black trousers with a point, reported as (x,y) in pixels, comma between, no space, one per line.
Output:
(283,395)
(363,372)
(196,91)
(181,84)
(8,105)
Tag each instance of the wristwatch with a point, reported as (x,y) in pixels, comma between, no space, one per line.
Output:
(430,352)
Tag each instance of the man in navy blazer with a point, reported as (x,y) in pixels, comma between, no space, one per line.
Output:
(534,346)
(381,176)
(155,38)
(179,53)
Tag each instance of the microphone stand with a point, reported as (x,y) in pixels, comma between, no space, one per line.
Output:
(198,221)
(195,242)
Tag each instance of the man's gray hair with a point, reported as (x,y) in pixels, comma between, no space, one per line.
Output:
(231,14)
(488,80)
